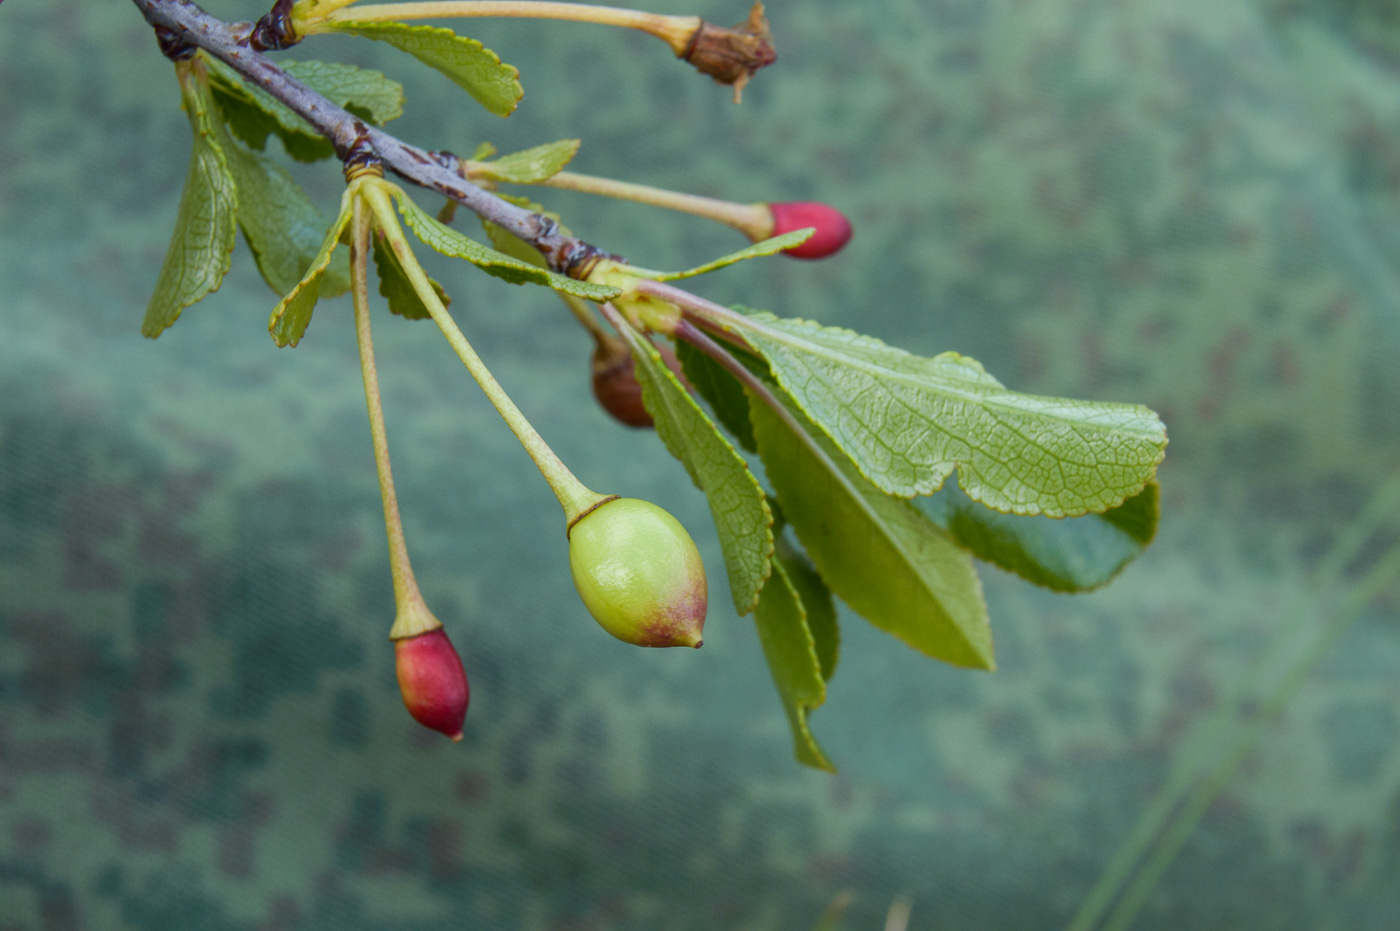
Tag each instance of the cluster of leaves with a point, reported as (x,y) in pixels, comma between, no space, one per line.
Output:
(893,471)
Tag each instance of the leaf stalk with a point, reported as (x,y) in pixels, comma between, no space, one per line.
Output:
(753,220)
(575,497)
(675,31)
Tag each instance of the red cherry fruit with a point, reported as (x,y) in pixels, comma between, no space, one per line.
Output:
(432,681)
(833,229)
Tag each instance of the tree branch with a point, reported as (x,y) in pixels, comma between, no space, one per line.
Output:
(186,24)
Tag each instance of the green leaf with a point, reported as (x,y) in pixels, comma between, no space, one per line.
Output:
(530,166)
(720,390)
(890,563)
(252,118)
(470,65)
(784,618)
(397,289)
(1070,554)
(283,228)
(737,503)
(450,242)
(253,114)
(757,250)
(368,94)
(293,313)
(816,599)
(201,246)
(908,422)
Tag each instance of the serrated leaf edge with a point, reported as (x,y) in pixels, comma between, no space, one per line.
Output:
(313,273)
(754,322)
(639,345)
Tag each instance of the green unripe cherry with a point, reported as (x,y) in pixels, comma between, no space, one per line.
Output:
(639,574)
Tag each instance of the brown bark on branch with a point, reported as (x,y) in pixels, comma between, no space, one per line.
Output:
(182,21)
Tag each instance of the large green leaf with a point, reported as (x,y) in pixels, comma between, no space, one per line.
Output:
(908,422)
(530,166)
(253,114)
(201,246)
(450,242)
(890,563)
(796,624)
(737,503)
(283,228)
(396,288)
(293,313)
(470,65)
(1069,554)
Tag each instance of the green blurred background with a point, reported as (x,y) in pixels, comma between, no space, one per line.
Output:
(1192,205)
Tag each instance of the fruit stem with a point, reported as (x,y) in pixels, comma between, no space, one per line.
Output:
(579,308)
(675,31)
(753,220)
(413,616)
(575,497)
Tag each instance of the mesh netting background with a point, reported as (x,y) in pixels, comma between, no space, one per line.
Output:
(1192,205)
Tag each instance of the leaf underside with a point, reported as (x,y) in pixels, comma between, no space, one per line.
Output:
(466,62)
(907,422)
(737,502)
(201,245)
(886,560)
(1071,554)
(283,228)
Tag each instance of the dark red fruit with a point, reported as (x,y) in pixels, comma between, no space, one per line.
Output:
(615,383)
(833,229)
(432,681)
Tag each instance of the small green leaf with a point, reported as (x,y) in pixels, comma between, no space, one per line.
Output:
(783,619)
(891,564)
(201,246)
(1069,554)
(757,250)
(908,422)
(737,503)
(470,65)
(368,94)
(397,289)
(283,228)
(530,166)
(450,242)
(292,314)
(720,390)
